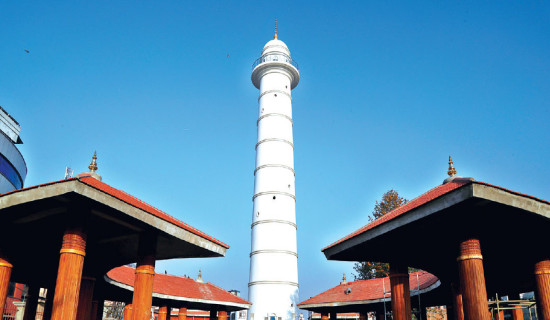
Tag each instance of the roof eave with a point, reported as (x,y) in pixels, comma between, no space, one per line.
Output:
(445,201)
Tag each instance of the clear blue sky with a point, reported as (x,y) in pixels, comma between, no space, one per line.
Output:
(388,91)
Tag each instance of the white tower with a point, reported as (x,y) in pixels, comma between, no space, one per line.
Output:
(273,286)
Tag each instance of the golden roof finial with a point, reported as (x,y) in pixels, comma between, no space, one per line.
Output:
(452,171)
(275,37)
(93,165)
(344,281)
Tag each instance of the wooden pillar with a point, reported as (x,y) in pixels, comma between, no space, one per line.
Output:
(128,312)
(334,316)
(324,316)
(362,316)
(542,292)
(472,281)
(84,311)
(182,314)
(400,292)
(32,303)
(5,273)
(222,315)
(69,273)
(458,310)
(143,283)
(163,313)
(517,314)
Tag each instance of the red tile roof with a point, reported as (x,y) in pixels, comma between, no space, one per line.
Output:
(121,195)
(363,290)
(414,203)
(423,199)
(175,286)
(129,199)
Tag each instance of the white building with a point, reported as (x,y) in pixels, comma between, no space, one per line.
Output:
(273,285)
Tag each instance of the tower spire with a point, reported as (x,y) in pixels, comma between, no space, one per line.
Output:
(275,37)
(452,171)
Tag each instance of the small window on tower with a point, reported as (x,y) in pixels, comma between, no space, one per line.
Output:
(274,197)
(275,95)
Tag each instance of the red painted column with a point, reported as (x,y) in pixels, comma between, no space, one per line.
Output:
(457,303)
(5,273)
(32,303)
(472,281)
(163,313)
(222,315)
(182,314)
(69,273)
(362,316)
(324,316)
(145,273)
(84,311)
(400,292)
(128,312)
(542,293)
(517,314)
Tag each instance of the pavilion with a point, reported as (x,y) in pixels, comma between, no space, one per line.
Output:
(474,236)
(66,235)
(364,296)
(174,291)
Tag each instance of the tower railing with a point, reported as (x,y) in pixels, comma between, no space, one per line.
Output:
(274,57)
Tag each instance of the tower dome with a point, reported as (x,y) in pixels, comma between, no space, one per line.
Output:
(275,56)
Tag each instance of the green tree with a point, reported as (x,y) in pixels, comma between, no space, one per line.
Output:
(370,270)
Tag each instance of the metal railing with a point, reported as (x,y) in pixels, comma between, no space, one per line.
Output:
(274,57)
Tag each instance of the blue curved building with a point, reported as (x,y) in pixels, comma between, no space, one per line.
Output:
(13,168)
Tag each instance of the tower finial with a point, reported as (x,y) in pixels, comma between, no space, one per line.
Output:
(93,164)
(275,37)
(452,171)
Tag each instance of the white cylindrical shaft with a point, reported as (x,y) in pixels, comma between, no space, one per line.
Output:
(273,285)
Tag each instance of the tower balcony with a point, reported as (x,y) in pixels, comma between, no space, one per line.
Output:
(275,57)
(275,61)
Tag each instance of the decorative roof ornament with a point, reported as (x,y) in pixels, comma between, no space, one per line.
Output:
(344,281)
(275,37)
(93,168)
(93,164)
(199,278)
(452,171)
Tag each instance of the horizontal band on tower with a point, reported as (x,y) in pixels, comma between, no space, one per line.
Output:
(275,115)
(273,192)
(75,251)
(274,251)
(274,140)
(6,264)
(273,221)
(542,272)
(469,257)
(273,282)
(274,91)
(274,166)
